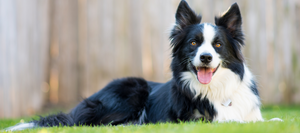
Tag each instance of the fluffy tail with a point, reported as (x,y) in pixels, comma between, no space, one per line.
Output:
(59,119)
(21,126)
(85,112)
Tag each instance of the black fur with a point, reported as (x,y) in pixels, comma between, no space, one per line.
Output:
(121,101)
(254,88)
(134,100)
(170,102)
(59,119)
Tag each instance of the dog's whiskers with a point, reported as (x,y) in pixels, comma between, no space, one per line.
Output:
(225,62)
(184,61)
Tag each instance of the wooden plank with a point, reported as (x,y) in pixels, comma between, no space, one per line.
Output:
(42,54)
(121,42)
(147,61)
(67,24)
(7,36)
(106,36)
(93,65)
(53,55)
(83,85)
(43,24)
(64,52)
(168,21)
(157,34)
(135,37)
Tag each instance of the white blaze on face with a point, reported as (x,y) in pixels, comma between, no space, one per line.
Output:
(204,74)
(209,33)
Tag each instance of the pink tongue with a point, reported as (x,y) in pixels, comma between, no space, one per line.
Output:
(204,75)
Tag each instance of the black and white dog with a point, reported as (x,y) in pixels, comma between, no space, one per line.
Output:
(210,82)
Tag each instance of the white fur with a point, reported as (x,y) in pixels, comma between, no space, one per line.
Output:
(196,114)
(21,126)
(227,85)
(227,103)
(207,47)
(276,119)
(143,117)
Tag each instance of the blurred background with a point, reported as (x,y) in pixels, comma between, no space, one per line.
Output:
(54,53)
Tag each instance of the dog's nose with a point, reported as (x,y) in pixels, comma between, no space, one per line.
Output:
(206,58)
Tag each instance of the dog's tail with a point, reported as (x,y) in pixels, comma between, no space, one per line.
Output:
(84,113)
(21,126)
(59,119)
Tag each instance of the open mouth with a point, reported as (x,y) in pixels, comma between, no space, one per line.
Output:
(204,74)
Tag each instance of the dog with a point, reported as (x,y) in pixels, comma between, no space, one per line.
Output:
(211,82)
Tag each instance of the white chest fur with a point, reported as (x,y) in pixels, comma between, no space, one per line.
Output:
(225,86)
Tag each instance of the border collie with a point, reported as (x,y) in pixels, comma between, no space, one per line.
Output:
(211,82)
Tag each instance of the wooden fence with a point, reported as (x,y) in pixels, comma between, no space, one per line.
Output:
(60,51)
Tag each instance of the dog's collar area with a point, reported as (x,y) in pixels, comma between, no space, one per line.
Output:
(227,103)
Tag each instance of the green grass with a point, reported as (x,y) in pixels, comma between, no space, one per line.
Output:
(290,115)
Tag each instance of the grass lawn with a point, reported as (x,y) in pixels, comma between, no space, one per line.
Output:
(290,115)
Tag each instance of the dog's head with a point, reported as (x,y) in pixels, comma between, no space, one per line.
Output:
(203,48)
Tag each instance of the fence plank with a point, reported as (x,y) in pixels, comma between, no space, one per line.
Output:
(67,33)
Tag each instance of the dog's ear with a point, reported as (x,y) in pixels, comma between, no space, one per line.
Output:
(231,20)
(186,16)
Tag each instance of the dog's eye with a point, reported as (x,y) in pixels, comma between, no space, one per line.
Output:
(193,43)
(218,45)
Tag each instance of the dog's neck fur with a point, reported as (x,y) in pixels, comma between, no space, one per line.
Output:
(225,85)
